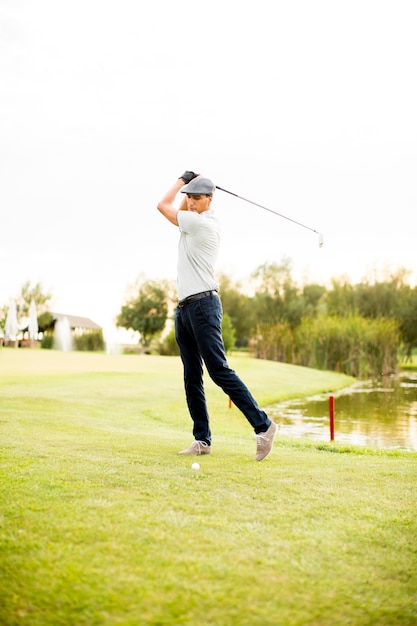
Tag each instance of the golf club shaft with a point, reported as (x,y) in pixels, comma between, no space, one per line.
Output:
(267,209)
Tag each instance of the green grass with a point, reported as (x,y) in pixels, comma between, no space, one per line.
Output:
(410,364)
(102,523)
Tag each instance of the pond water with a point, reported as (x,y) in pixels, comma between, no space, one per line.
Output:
(379,413)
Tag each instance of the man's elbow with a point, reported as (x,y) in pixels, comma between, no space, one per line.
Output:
(168,211)
(164,209)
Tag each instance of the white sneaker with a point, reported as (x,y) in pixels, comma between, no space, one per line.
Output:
(264,442)
(197,448)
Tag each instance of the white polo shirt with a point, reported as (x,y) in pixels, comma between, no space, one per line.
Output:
(197,252)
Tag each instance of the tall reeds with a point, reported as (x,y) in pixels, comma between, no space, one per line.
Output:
(351,345)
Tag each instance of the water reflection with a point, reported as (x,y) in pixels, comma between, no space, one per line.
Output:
(379,413)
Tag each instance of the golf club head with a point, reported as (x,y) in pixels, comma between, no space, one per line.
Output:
(321,240)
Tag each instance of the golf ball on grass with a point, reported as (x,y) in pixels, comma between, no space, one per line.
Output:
(195,466)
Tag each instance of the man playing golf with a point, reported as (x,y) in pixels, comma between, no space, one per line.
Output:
(198,317)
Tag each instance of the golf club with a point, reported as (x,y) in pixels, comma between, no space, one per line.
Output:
(321,238)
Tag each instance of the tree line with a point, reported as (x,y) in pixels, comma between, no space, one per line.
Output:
(358,329)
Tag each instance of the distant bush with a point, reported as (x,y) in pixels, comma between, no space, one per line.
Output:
(47,342)
(353,345)
(168,346)
(132,349)
(90,342)
(228,332)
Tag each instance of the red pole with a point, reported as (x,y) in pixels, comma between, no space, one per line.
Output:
(331,410)
(230,403)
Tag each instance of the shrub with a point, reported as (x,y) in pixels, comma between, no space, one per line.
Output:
(47,342)
(229,333)
(90,342)
(169,346)
(273,342)
(352,345)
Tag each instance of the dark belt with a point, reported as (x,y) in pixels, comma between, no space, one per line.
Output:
(196,296)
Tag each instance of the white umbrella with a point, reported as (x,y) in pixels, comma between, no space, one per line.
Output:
(11,321)
(33,321)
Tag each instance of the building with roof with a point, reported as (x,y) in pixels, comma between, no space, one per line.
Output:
(54,328)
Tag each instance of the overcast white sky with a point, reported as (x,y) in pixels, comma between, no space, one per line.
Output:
(308,107)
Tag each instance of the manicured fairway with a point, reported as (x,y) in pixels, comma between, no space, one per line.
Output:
(102,523)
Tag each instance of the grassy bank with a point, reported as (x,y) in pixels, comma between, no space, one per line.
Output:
(409,364)
(103,524)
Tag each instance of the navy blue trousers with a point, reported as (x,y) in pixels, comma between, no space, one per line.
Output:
(198,331)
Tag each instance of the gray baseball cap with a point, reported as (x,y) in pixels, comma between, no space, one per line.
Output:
(199,186)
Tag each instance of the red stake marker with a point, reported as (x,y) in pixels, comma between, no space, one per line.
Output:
(331,410)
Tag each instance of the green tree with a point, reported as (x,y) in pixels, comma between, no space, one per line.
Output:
(31,292)
(340,300)
(273,278)
(279,300)
(301,305)
(275,289)
(377,300)
(146,311)
(407,319)
(27,294)
(371,298)
(239,307)
(228,333)
(3,316)
(313,295)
